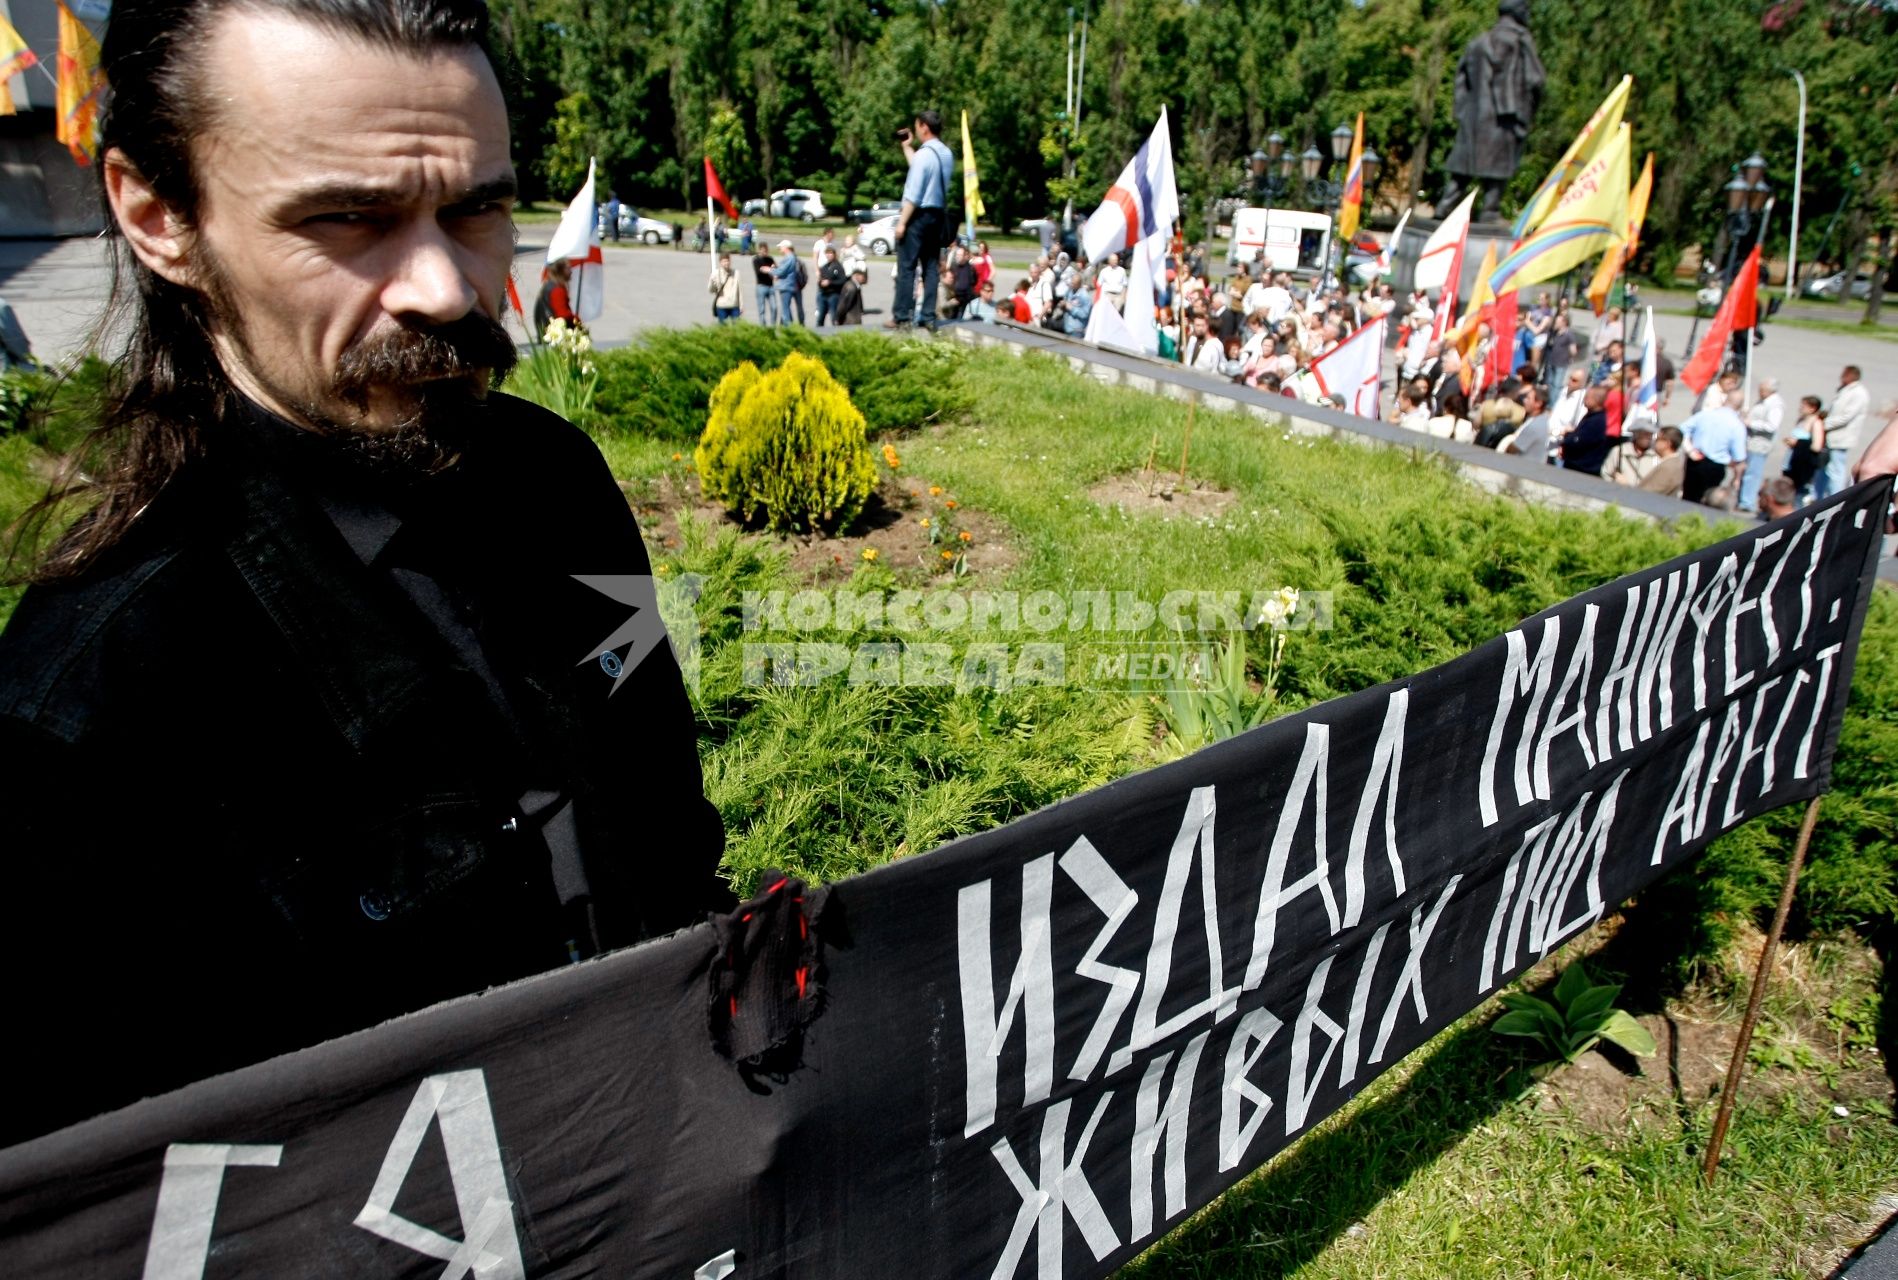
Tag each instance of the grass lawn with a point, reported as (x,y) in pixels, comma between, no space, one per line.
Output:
(1460,1162)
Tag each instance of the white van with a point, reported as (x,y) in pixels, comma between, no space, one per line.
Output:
(1293,240)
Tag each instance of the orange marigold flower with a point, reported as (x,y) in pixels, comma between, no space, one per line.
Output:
(869,553)
(951,504)
(966,536)
(934,490)
(948,555)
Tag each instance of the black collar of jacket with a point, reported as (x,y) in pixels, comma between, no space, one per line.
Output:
(368,654)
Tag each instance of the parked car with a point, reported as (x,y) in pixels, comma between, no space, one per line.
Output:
(879,237)
(792,202)
(876,212)
(1833,286)
(634,227)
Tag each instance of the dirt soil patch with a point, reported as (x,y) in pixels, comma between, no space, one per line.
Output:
(908,525)
(1796,1047)
(1160,493)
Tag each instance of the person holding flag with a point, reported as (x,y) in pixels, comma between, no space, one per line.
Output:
(576,245)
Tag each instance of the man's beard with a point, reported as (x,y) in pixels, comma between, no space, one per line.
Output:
(438,375)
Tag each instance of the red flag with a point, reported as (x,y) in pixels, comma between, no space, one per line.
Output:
(1502,337)
(1746,289)
(715,190)
(1738,310)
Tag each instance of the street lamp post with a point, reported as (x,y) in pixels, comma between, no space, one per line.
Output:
(1326,195)
(1799,173)
(1747,195)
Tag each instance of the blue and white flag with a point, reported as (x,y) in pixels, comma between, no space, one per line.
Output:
(1143,202)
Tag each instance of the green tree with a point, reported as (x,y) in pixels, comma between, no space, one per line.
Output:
(564,163)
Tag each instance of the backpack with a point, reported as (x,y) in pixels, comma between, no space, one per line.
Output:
(803,276)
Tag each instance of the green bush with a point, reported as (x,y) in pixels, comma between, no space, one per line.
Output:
(18,393)
(662,384)
(786,446)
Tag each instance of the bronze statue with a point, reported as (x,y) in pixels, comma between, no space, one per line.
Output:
(1498,88)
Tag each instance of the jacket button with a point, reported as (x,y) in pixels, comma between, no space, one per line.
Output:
(374,905)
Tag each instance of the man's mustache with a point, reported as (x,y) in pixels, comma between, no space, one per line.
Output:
(416,354)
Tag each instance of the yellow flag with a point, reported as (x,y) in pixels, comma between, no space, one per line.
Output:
(1618,256)
(1351,207)
(15,57)
(1599,131)
(80,84)
(971,185)
(1591,215)
(1463,337)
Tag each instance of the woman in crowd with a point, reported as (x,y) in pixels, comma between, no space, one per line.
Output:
(1806,447)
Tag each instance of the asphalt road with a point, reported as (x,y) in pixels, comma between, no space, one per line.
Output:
(59,287)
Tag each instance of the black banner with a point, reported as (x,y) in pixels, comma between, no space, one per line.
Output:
(1044,1045)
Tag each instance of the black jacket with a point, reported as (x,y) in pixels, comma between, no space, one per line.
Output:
(256,796)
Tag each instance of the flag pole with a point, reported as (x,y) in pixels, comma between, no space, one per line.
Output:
(1730,1090)
(1766,217)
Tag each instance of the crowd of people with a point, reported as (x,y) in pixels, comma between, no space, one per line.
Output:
(781,279)
(1542,390)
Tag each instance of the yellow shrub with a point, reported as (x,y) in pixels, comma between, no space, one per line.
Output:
(711,456)
(786,446)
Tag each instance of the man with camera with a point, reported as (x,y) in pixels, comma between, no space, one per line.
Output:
(922,226)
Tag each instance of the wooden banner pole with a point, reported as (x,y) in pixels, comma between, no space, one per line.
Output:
(1732,1088)
(1186,445)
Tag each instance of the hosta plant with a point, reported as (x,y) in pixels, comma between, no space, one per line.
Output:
(1578,1015)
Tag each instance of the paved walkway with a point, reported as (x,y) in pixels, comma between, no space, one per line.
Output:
(58,287)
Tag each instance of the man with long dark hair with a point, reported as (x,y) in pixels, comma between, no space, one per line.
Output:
(307,721)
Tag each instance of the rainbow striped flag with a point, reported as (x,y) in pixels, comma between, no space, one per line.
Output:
(1592,215)
(80,84)
(1599,131)
(15,57)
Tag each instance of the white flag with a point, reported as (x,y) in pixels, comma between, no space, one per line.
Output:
(1140,306)
(577,239)
(1106,328)
(1444,248)
(1648,399)
(1350,370)
(1143,202)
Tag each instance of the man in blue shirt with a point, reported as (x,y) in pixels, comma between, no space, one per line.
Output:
(1716,448)
(922,225)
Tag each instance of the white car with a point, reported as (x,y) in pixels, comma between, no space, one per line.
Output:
(649,230)
(878,237)
(792,202)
